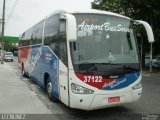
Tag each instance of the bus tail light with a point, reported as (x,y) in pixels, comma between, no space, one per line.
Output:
(137,86)
(77,89)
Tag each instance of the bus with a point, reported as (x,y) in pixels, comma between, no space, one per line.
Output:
(87,59)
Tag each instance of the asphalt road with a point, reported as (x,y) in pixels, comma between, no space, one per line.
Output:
(147,108)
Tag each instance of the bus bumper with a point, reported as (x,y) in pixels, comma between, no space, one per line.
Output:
(105,101)
(99,101)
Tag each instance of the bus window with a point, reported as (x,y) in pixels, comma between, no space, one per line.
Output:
(51,34)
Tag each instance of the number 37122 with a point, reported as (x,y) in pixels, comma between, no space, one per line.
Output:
(92,79)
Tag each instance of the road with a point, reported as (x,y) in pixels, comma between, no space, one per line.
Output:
(148,105)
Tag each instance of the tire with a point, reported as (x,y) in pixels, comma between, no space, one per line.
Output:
(49,88)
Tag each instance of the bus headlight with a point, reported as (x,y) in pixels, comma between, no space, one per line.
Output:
(137,86)
(77,89)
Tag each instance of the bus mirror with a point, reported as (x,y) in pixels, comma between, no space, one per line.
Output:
(148,30)
(62,17)
(71,27)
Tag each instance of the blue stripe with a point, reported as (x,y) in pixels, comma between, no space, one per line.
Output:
(122,82)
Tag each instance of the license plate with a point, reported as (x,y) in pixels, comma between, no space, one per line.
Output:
(113,99)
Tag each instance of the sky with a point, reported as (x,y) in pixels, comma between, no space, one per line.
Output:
(29,12)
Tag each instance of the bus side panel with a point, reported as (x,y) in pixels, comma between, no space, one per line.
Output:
(50,65)
(35,63)
(39,60)
(44,61)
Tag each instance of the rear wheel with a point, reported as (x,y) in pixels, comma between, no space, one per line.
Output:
(49,88)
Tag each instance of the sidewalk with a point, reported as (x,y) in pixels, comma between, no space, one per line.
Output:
(15,96)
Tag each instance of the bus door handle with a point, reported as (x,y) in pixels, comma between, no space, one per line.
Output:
(63,87)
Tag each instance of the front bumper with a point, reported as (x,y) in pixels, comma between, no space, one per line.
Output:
(99,101)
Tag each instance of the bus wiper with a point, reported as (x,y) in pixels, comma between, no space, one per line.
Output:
(101,66)
(92,68)
(95,66)
(130,68)
(108,63)
(86,67)
(114,66)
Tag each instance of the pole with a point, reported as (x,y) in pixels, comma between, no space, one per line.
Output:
(140,46)
(2,49)
(141,50)
(0,29)
(150,68)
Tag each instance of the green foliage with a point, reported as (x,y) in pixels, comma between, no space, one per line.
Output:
(141,9)
(8,46)
(9,43)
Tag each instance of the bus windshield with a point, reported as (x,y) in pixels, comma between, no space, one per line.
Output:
(104,39)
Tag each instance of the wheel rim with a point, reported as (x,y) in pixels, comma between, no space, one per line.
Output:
(49,88)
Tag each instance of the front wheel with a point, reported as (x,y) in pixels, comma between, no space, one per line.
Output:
(49,88)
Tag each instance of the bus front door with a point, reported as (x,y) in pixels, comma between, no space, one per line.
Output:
(63,64)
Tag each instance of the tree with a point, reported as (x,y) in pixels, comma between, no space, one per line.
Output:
(8,46)
(139,9)
(10,42)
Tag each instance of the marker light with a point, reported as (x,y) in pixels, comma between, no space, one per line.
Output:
(137,86)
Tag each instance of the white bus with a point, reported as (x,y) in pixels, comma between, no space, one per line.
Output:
(87,60)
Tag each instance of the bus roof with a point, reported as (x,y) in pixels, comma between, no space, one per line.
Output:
(94,11)
(90,11)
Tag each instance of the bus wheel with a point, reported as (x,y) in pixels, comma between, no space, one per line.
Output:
(49,88)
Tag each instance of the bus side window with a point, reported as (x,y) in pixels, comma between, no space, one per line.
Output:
(51,34)
(63,42)
(74,46)
(21,40)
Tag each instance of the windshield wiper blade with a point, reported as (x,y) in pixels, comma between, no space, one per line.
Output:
(95,66)
(92,68)
(86,67)
(131,68)
(124,67)
(108,63)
